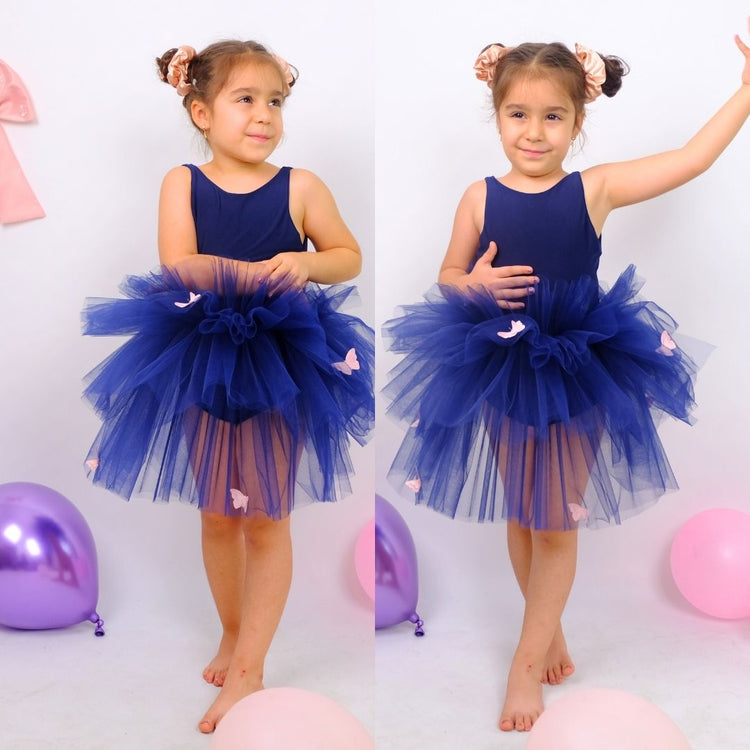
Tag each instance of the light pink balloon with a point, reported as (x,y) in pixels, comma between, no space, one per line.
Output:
(364,559)
(278,718)
(600,719)
(710,561)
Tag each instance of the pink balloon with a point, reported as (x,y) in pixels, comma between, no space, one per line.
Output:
(364,559)
(599,719)
(710,561)
(289,718)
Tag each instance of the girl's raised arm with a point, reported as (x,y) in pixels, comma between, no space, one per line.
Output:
(618,184)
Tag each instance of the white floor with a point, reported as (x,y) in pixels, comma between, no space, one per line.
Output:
(140,685)
(628,629)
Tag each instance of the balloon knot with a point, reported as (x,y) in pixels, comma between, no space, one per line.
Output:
(418,622)
(99,629)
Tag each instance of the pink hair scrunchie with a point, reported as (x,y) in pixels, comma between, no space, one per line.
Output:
(593,67)
(177,70)
(288,72)
(484,67)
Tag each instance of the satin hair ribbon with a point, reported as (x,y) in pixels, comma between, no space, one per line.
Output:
(17,199)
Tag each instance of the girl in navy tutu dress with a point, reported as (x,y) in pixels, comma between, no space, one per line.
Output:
(241,379)
(531,394)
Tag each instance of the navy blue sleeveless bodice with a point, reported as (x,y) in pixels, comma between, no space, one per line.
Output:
(550,231)
(245,226)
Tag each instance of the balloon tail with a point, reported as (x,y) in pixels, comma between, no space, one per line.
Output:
(99,629)
(418,622)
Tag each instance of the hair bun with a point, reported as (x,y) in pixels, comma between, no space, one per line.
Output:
(173,67)
(616,68)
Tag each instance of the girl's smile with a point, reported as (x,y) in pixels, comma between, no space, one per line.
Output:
(537,123)
(244,123)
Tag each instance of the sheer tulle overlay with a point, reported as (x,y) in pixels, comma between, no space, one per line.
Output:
(546,416)
(227,396)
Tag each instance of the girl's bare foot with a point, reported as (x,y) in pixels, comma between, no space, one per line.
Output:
(558,665)
(523,698)
(239,683)
(216,671)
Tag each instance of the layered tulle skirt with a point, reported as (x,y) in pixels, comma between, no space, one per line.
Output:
(227,397)
(546,416)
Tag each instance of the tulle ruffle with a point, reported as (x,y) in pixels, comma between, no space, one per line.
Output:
(228,396)
(547,416)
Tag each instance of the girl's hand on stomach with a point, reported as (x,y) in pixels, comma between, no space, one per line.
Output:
(509,285)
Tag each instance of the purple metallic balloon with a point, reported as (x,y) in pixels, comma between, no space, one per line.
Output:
(48,571)
(396,584)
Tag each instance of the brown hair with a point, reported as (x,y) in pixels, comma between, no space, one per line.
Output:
(210,69)
(554,59)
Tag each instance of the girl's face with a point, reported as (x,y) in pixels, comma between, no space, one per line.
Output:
(537,122)
(244,122)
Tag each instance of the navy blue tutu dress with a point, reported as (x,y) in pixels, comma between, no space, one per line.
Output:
(228,394)
(546,416)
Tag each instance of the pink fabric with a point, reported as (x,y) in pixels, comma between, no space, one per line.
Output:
(287,70)
(593,67)
(177,70)
(484,67)
(17,199)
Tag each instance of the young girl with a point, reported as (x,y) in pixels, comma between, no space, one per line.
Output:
(240,379)
(531,395)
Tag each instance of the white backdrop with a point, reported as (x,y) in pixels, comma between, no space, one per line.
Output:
(107,132)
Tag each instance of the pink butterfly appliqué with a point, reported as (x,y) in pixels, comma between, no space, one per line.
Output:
(414,484)
(516,326)
(92,463)
(578,512)
(349,364)
(191,300)
(239,499)
(667,345)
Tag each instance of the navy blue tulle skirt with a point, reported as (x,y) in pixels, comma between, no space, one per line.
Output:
(230,396)
(545,416)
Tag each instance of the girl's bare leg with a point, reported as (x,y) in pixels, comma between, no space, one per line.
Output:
(268,576)
(225,538)
(551,573)
(558,664)
(224,559)
(544,562)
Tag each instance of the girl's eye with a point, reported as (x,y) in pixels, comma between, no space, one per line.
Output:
(246,100)
(517,114)
(276,102)
(554,117)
